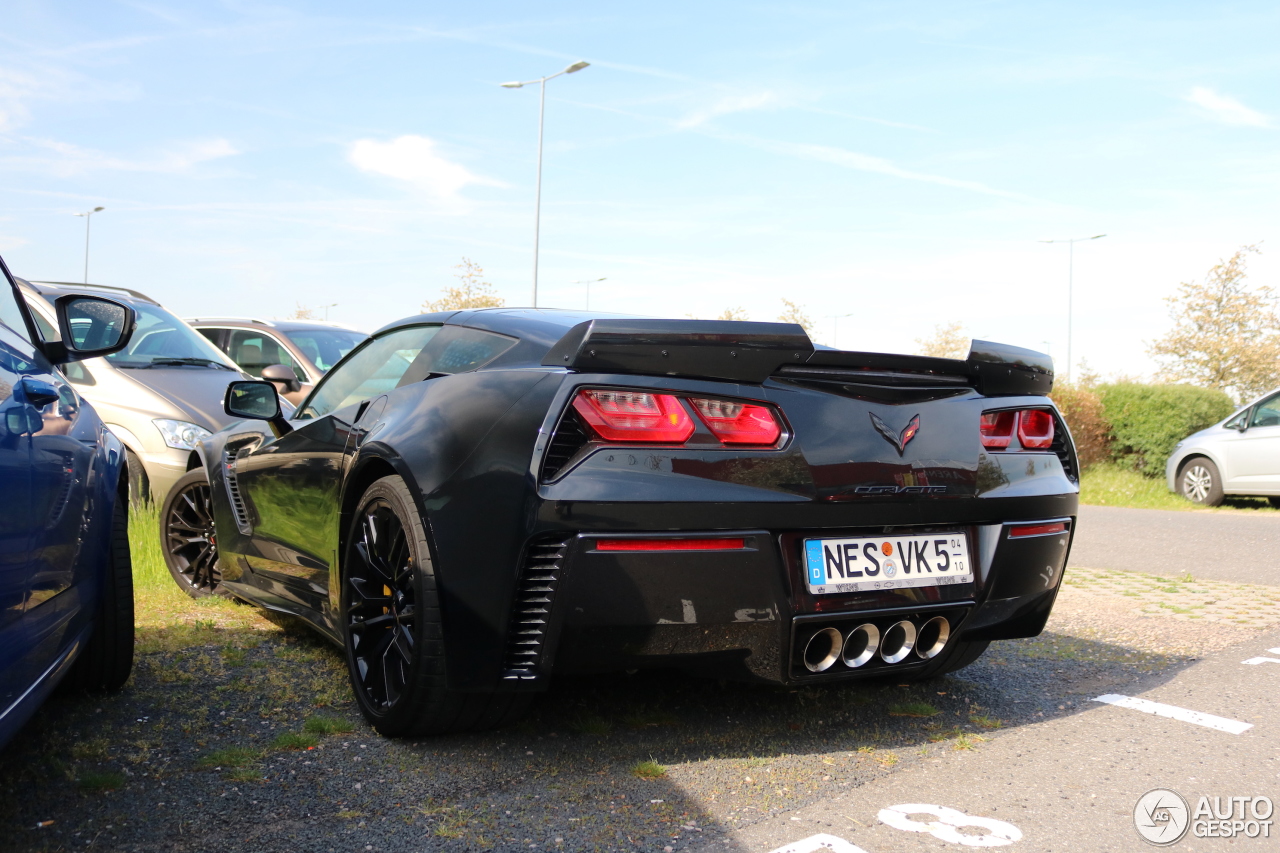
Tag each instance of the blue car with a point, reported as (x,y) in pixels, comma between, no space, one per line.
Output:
(66,583)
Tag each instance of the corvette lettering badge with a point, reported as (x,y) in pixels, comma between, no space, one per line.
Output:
(897,439)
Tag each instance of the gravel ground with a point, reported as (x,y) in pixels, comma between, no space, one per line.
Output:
(236,734)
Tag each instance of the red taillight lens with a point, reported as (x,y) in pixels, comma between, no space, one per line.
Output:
(997,429)
(1026,531)
(635,416)
(738,423)
(1035,429)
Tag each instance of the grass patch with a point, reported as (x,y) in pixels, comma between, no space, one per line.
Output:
(236,756)
(649,770)
(327,726)
(294,740)
(100,780)
(589,724)
(985,722)
(913,709)
(244,774)
(1114,485)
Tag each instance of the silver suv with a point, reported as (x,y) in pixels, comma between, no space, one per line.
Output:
(159,395)
(1238,456)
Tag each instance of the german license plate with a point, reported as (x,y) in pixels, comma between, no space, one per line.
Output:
(864,563)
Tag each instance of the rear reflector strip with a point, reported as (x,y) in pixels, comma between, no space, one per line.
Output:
(1029,530)
(670,544)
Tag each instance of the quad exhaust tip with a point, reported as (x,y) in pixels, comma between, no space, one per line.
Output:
(898,641)
(861,645)
(823,650)
(933,637)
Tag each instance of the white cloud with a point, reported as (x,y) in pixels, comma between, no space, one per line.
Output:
(64,159)
(725,106)
(413,159)
(1225,108)
(863,163)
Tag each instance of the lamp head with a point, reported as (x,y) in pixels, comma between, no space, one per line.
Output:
(512,85)
(96,209)
(577,66)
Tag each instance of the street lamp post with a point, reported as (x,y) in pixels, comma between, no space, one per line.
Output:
(835,328)
(326,310)
(1071,261)
(537,202)
(87,216)
(588,282)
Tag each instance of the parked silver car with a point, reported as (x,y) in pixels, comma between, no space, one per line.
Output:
(1238,456)
(159,395)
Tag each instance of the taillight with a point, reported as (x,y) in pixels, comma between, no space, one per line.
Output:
(670,544)
(997,429)
(1035,429)
(635,416)
(738,423)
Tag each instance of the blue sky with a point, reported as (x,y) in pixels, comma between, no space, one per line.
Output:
(894,161)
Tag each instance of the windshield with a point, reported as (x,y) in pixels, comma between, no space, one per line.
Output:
(325,347)
(163,339)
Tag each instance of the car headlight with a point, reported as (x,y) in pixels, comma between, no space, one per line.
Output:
(181,435)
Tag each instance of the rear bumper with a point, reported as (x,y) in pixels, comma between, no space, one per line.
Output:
(746,612)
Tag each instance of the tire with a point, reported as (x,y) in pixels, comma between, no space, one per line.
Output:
(139,482)
(957,656)
(394,643)
(1274,501)
(188,538)
(107,658)
(1200,482)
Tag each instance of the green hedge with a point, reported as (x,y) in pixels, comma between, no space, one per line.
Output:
(1148,420)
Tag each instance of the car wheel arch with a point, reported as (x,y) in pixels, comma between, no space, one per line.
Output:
(372,465)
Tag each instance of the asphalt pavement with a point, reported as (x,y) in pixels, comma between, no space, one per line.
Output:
(1072,783)
(1242,547)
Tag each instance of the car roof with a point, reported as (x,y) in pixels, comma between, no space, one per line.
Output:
(538,326)
(281,325)
(62,288)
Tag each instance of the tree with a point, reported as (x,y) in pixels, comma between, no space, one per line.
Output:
(472,292)
(793,313)
(733,314)
(1225,334)
(949,340)
(303,312)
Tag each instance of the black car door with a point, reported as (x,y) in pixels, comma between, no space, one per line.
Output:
(293,484)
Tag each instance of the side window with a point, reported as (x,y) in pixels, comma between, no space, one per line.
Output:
(457,349)
(255,350)
(1266,413)
(374,369)
(10,312)
(1238,422)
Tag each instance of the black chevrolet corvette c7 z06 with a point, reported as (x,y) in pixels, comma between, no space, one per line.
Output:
(472,502)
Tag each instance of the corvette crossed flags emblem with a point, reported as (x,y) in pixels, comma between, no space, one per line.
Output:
(897,439)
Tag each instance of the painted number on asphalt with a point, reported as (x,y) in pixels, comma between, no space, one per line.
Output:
(948,824)
(821,843)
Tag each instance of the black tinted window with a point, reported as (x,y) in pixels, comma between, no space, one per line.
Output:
(456,350)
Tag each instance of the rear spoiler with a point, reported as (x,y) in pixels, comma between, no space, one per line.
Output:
(734,350)
(741,351)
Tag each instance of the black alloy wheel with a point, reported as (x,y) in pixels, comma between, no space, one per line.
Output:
(381,607)
(390,616)
(189,537)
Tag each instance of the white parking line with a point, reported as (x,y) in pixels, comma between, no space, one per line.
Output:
(1261,660)
(821,843)
(1173,712)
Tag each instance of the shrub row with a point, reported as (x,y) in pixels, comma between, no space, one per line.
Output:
(1137,425)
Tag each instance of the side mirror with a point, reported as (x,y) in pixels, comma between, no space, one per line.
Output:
(90,326)
(284,375)
(257,401)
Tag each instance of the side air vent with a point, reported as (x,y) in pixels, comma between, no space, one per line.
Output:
(238,507)
(1062,446)
(531,610)
(568,440)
